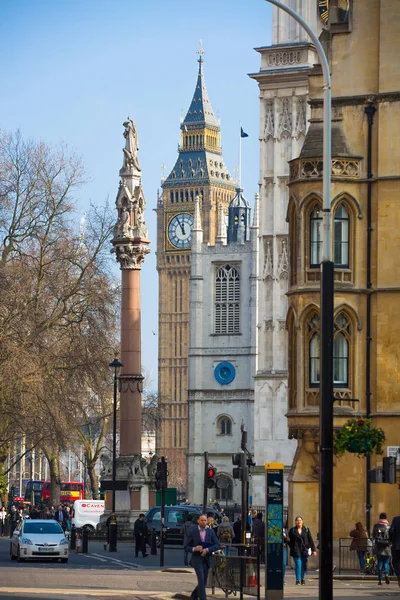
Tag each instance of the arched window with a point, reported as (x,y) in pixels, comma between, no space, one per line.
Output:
(315,237)
(314,351)
(341,340)
(227,300)
(171,196)
(341,237)
(224,426)
(191,195)
(224,488)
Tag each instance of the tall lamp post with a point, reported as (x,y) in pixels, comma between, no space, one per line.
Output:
(327,303)
(112,536)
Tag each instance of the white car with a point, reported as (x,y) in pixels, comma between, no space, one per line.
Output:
(39,538)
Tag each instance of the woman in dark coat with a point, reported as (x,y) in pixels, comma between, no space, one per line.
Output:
(301,545)
(359,543)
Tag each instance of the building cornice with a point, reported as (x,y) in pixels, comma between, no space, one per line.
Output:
(358,100)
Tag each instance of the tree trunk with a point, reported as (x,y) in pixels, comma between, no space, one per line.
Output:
(94,482)
(55,481)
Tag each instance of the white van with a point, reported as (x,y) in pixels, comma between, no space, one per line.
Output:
(87,513)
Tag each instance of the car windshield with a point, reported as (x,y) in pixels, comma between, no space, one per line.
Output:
(50,527)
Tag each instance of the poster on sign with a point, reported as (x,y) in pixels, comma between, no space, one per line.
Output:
(394,451)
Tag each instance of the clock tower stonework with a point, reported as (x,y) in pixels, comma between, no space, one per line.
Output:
(200,172)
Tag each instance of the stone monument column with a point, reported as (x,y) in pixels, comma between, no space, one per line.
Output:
(134,476)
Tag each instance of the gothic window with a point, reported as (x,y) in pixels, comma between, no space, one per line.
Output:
(227,300)
(191,195)
(186,196)
(181,195)
(224,426)
(315,236)
(314,350)
(171,195)
(292,366)
(341,237)
(173,175)
(176,196)
(341,340)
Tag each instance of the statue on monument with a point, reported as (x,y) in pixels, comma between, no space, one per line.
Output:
(131,159)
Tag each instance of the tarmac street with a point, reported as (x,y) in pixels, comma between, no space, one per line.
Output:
(120,576)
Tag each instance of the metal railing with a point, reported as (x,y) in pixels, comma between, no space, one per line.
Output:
(348,559)
(237,572)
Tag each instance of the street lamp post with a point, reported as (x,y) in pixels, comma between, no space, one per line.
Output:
(115,364)
(327,304)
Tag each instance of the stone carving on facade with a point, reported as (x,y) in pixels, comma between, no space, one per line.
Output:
(282,324)
(131,160)
(269,127)
(106,465)
(152,466)
(282,270)
(342,168)
(301,118)
(285,118)
(269,325)
(268,262)
(131,383)
(288,57)
(131,256)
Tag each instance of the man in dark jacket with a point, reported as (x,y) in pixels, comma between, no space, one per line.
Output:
(394,536)
(380,533)
(140,531)
(258,534)
(202,542)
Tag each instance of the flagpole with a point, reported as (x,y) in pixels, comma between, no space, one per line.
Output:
(240,154)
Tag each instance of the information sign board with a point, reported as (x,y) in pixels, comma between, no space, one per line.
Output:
(274,531)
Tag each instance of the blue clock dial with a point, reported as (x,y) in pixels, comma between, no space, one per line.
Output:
(224,373)
(180,230)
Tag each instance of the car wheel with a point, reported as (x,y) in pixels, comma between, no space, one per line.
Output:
(11,554)
(90,528)
(19,557)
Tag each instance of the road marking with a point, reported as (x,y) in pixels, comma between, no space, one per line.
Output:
(113,560)
(89,592)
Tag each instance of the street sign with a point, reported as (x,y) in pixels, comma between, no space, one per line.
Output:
(394,451)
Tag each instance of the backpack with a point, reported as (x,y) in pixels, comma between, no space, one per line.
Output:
(381,542)
(226,535)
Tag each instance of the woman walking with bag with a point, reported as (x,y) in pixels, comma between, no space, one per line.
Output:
(360,543)
(301,546)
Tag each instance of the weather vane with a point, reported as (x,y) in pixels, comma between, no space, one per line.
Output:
(200,51)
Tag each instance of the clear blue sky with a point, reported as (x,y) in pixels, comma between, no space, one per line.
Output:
(73,70)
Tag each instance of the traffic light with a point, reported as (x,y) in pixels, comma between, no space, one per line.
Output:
(389,469)
(241,470)
(210,481)
(161,475)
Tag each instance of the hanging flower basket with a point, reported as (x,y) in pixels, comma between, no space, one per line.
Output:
(358,437)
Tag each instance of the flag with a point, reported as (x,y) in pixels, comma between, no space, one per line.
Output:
(242,133)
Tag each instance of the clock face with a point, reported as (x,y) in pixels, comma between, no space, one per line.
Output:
(180,230)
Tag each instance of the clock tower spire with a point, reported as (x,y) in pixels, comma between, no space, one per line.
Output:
(200,171)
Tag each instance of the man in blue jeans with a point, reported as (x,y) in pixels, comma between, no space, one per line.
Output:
(201,543)
(380,533)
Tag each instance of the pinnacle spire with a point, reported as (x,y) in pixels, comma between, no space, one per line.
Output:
(256,211)
(197,218)
(200,110)
(221,235)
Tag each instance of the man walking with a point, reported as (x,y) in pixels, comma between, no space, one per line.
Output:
(202,542)
(140,531)
(394,536)
(380,533)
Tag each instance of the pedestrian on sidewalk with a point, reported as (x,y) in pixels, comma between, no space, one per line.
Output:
(201,544)
(394,536)
(360,543)
(188,524)
(380,533)
(140,531)
(301,546)
(3,519)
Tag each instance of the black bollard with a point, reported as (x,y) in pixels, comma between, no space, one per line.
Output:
(72,541)
(85,540)
(153,543)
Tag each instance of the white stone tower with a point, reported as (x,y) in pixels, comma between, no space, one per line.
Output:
(283,84)
(222,347)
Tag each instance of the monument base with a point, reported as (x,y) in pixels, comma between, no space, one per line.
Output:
(134,490)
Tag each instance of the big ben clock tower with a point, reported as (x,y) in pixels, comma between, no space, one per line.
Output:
(199,171)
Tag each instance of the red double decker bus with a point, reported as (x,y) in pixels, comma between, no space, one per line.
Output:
(40,490)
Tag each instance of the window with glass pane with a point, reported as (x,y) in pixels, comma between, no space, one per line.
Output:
(314,360)
(315,237)
(341,351)
(341,237)
(225,426)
